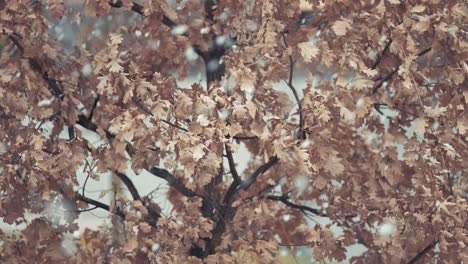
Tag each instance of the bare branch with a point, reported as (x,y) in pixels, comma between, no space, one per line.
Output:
(173,181)
(232,165)
(379,59)
(153,215)
(285,200)
(130,186)
(294,91)
(262,169)
(6,116)
(390,75)
(379,84)
(98,204)
(423,252)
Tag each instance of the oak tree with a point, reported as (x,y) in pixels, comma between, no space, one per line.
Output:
(370,132)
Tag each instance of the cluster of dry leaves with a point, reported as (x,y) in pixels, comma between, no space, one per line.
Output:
(377,136)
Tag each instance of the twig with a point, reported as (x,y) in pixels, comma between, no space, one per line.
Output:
(294,90)
(378,85)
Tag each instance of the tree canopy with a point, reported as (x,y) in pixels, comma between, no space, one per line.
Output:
(370,132)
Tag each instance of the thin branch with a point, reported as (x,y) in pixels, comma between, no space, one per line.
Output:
(91,113)
(232,165)
(6,116)
(379,59)
(423,252)
(390,75)
(378,85)
(147,111)
(294,90)
(98,204)
(173,181)
(174,125)
(285,200)
(378,105)
(245,137)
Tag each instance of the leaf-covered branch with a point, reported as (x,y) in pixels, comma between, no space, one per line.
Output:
(137,8)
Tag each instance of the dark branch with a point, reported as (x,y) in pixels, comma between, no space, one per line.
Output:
(210,7)
(378,85)
(232,165)
(130,186)
(98,204)
(423,252)
(173,181)
(379,59)
(285,200)
(294,91)
(153,215)
(262,169)
(91,113)
(6,116)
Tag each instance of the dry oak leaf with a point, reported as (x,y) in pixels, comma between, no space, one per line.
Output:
(341,27)
(308,51)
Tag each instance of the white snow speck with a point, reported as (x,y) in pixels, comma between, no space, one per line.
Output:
(86,69)
(386,228)
(179,30)
(213,65)
(220,40)
(204,30)
(190,54)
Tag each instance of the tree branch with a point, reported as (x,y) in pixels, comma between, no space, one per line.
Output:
(379,59)
(294,91)
(137,8)
(423,252)
(262,169)
(232,165)
(98,204)
(173,181)
(153,215)
(386,78)
(378,85)
(285,200)
(130,186)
